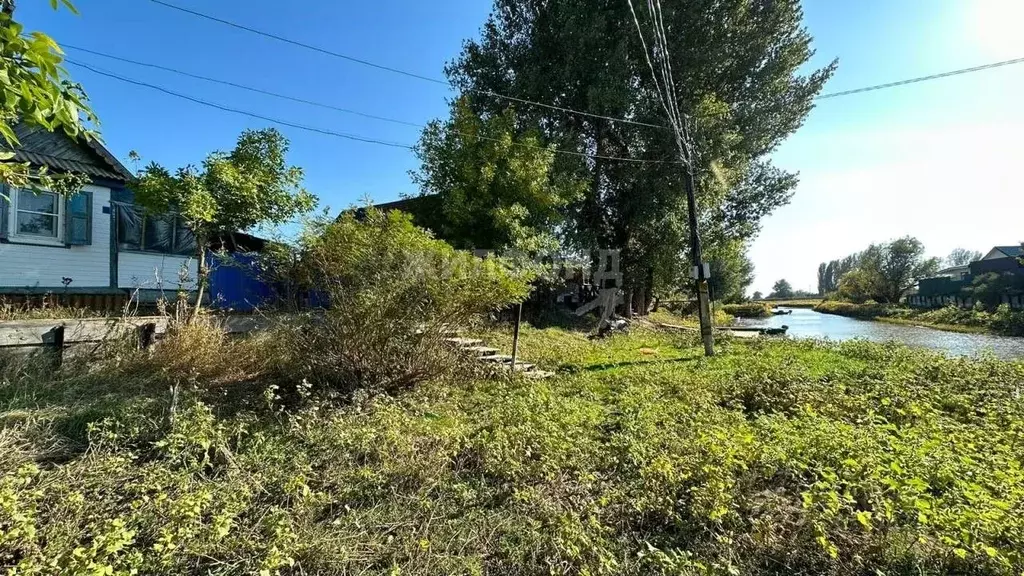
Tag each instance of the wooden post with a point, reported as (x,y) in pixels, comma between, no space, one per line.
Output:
(58,345)
(147,335)
(515,335)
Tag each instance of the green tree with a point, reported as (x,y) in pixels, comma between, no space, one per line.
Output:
(250,186)
(496,187)
(732,272)
(737,67)
(856,286)
(962,257)
(36,89)
(782,289)
(758,296)
(896,267)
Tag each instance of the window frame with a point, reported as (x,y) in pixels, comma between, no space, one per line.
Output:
(14,230)
(177,223)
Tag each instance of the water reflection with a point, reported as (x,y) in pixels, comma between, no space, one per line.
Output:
(805,323)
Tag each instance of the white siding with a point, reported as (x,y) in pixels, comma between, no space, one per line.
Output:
(23,265)
(153,271)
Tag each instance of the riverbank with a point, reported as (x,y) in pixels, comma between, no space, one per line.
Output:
(1004,322)
(797,303)
(639,456)
(748,310)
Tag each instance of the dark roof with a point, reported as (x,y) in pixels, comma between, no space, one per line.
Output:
(419,206)
(1011,251)
(61,153)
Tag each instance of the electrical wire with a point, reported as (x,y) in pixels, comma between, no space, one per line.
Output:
(224,108)
(922,78)
(241,86)
(313,128)
(391,69)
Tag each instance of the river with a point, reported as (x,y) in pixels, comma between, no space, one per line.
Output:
(806,323)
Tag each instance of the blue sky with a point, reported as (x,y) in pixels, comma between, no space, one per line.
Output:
(937,160)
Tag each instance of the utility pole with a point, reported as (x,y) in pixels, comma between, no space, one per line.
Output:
(703,297)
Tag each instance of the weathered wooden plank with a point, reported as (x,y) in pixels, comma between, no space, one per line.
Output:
(85,330)
(39,332)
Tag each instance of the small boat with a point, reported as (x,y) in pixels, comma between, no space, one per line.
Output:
(781,312)
(758,329)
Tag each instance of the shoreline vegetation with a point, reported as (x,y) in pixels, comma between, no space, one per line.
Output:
(795,303)
(748,310)
(1003,322)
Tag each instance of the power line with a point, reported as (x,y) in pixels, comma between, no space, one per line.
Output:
(344,135)
(922,78)
(313,128)
(242,86)
(391,69)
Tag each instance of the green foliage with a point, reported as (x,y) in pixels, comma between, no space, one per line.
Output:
(496,186)
(884,272)
(35,88)
(748,310)
(395,293)
(732,272)
(1003,320)
(830,274)
(989,289)
(235,191)
(640,457)
(856,286)
(736,65)
(896,267)
(962,257)
(782,289)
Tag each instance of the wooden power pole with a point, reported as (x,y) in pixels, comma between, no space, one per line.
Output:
(700,274)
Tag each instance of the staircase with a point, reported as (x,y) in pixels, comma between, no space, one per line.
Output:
(476,349)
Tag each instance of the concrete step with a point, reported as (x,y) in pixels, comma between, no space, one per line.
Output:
(497,358)
(464,342)
(524,367)
(482,351)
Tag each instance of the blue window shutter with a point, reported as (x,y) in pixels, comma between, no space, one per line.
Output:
(5,209)
(78,219)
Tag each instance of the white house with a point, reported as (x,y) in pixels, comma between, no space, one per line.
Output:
(94,242)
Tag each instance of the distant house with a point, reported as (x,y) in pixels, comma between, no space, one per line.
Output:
(999,259)
(954,272)
(946,287)
(94,242)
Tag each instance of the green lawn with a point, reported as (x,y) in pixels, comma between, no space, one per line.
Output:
(640,457)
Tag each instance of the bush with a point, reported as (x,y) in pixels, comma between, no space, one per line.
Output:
(866,311)
(395,293)
(748,310)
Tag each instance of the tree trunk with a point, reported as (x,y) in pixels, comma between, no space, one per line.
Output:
(202,277)
(648,290)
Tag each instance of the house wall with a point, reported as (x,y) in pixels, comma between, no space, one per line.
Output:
(148,271)
(41,266)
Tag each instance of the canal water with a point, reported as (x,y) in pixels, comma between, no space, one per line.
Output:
(806,323)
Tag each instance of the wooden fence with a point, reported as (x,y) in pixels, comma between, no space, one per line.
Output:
(57,335)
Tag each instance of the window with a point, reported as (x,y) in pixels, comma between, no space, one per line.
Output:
(37,214)
(166,234)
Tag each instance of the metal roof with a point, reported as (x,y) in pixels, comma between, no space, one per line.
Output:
(62,153)
(64,165)
(1011,251)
